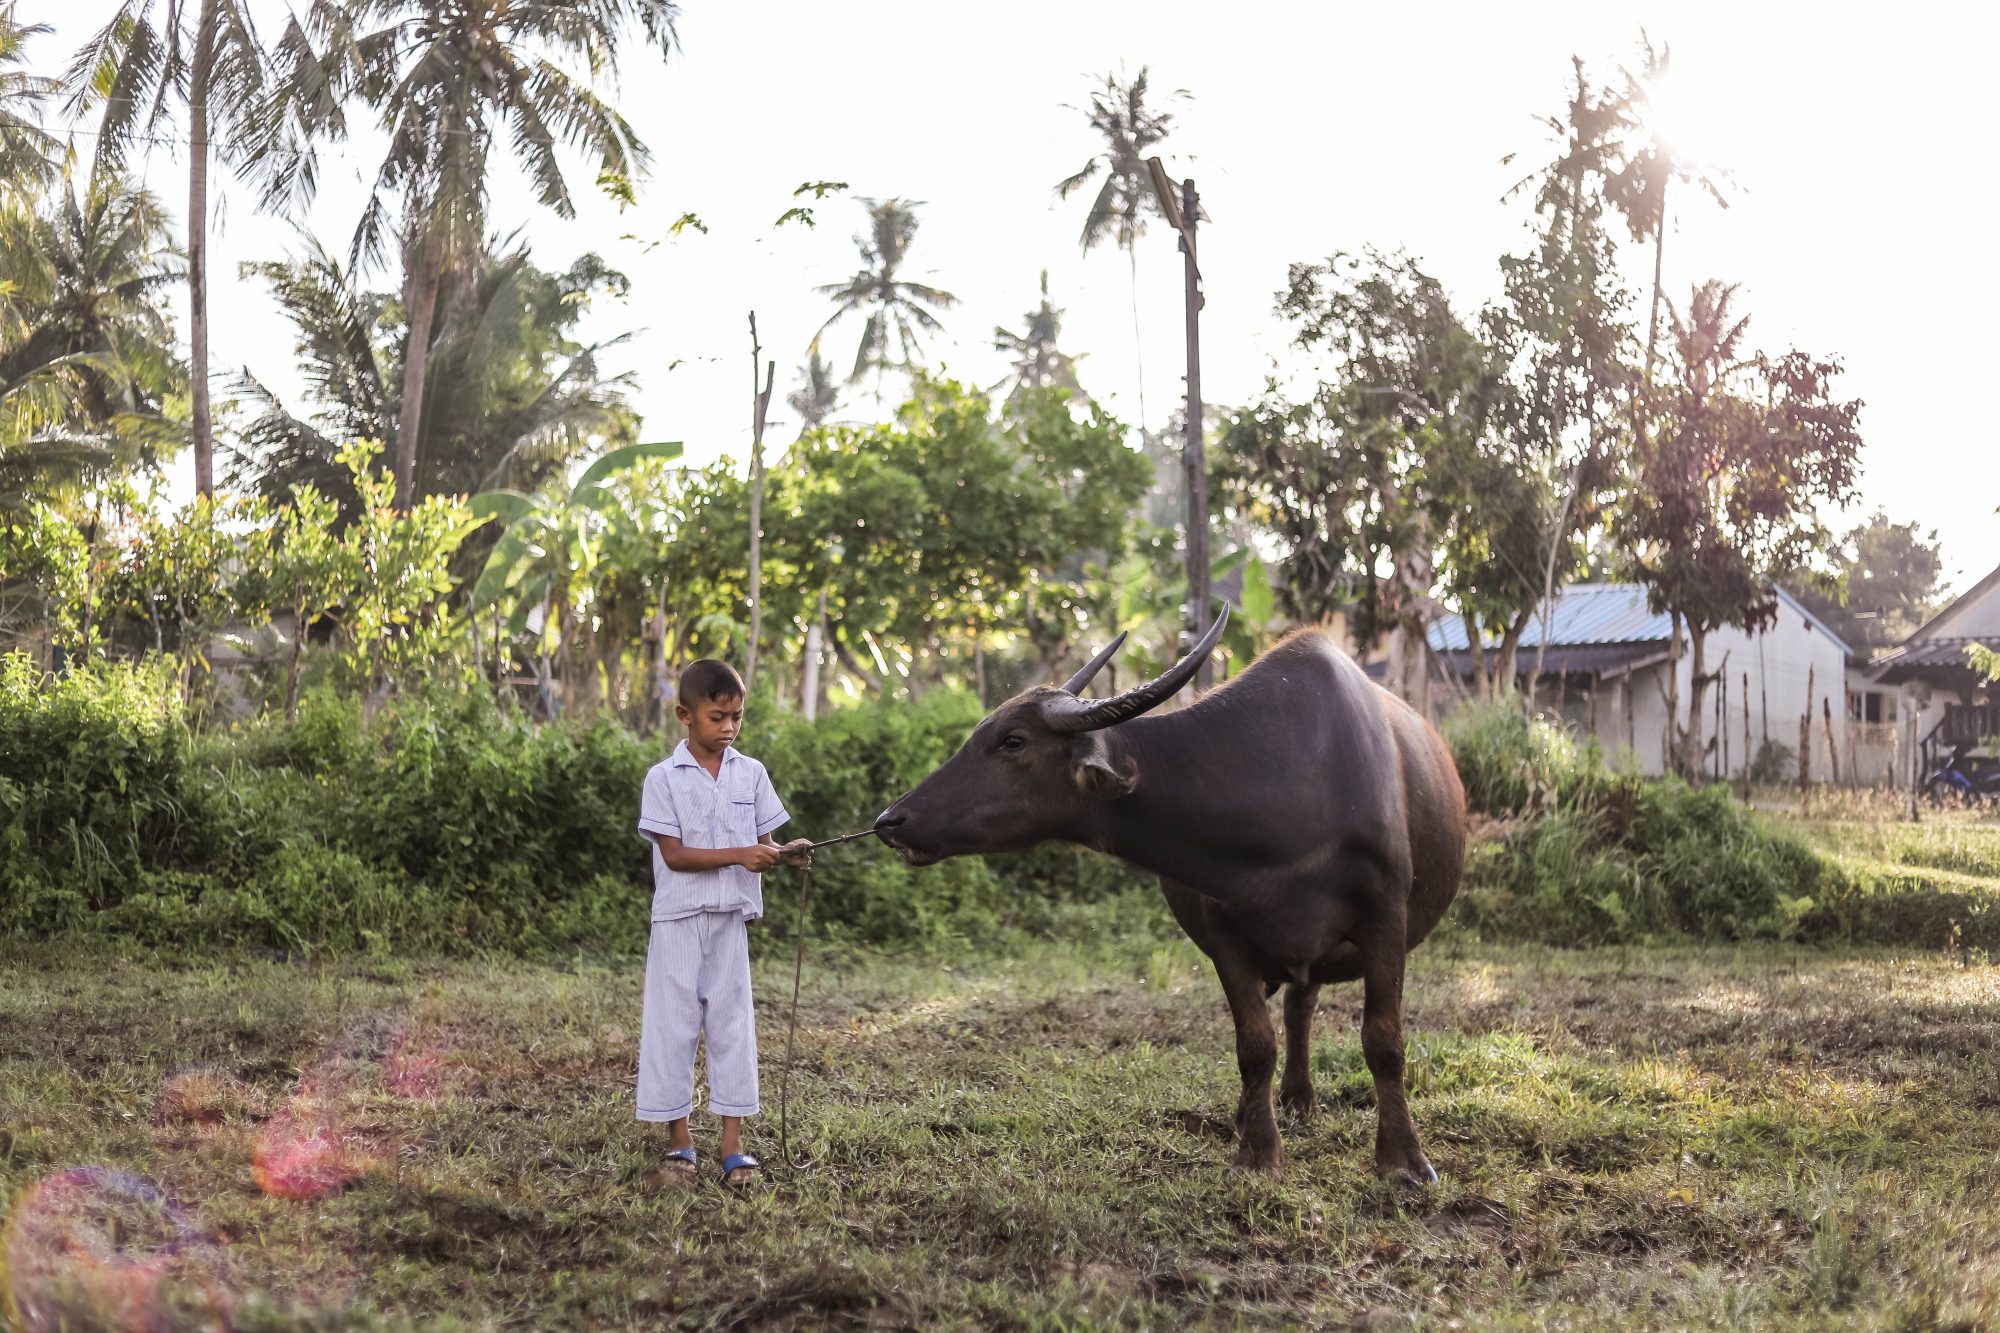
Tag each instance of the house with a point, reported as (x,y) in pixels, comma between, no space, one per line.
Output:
(1606,663)
(1955,704)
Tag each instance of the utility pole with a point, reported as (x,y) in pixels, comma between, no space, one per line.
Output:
(763,402)
(1182,208)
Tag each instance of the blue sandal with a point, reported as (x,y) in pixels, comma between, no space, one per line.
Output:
(687,1155)
(735,1162)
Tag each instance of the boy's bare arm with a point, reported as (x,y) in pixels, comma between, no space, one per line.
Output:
(756,859)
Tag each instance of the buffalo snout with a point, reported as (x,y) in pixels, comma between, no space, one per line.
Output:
(889,827)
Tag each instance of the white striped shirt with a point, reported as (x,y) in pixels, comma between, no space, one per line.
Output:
(735,808)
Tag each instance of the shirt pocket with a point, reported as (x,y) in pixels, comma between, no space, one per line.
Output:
(739,816)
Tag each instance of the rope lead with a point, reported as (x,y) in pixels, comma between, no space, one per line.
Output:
(792,1028)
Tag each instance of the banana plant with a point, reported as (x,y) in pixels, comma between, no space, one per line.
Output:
(550,542)
(1150,596)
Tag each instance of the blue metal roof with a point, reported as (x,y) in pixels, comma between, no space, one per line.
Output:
(1581,613)
(1600,613)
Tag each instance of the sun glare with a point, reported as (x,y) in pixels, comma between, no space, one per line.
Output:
(1695,120)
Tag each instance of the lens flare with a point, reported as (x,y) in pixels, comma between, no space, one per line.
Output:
(92,1248)
(412,1070)
(301,1153)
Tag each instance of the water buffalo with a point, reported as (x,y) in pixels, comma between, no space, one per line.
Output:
(1306,825)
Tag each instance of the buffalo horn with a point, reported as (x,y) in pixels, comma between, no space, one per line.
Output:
(1070,714)
(1083,677)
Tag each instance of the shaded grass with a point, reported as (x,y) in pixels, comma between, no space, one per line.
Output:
(1667,1137)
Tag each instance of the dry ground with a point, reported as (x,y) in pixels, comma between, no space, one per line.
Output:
(1645,1138)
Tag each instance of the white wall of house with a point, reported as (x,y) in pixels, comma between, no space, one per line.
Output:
(1780,662)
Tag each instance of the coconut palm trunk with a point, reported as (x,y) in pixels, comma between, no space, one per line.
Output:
(1659,261)
(197,247)
(423,293)
(1138,338)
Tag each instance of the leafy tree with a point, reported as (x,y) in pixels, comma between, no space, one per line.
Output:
(818,395)
(1561,330)
(1131,131)
(308,571)
(448,79)
(396,619)
(516,397)
(1886,579)
(44,560)
(948,521)
(1364,479)
(1726,493)
(27,151)
(179,572)
(1039,363)
(153,60)
(895,309)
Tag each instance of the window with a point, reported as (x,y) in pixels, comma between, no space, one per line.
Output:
(1874,706)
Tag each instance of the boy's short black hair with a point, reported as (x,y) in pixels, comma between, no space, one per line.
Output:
(709,679)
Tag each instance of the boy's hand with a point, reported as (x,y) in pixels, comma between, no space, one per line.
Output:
(759,858)
(798,852)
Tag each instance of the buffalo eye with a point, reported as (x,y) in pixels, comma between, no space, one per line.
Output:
(1014,744)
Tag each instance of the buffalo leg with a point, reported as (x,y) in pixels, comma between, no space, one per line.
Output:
(1295,1090)
(1397,1154)
(1257,1144)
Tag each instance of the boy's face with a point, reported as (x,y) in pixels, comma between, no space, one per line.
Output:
(712,724)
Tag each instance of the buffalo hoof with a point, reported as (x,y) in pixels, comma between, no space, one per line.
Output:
(1247,1164)
(1299,1103)
(1410,1176)
(1263,1155)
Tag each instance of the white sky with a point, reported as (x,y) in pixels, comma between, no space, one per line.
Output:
(1860,227)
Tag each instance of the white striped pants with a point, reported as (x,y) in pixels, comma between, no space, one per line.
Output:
(698,985)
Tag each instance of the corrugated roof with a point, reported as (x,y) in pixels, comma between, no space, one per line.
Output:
(1583,613)
(1601,613)
(1929,652)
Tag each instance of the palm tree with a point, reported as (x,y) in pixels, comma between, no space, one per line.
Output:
(153,59)
(1642,164)
(1038,362)
(1131,131)
(893,305)
(88,362)
(515,397)
(449,77)
(27,151)
(818,394)
(1708,343)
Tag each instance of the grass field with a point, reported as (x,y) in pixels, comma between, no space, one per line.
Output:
(1669,1138)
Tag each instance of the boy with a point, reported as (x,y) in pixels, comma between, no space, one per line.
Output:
(709,812)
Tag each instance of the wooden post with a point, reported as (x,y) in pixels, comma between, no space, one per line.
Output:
(1722,723)
(815,647)
(1746,738)
(1193,458)
(1832,750)
(1631,718)
(1916,769)
(1805,737)
(761,403)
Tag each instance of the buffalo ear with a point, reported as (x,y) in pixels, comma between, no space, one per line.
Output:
(1098,773)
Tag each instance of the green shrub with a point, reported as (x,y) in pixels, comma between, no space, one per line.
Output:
(1511,764)
(1590,856)
(451,823)
(93,775)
